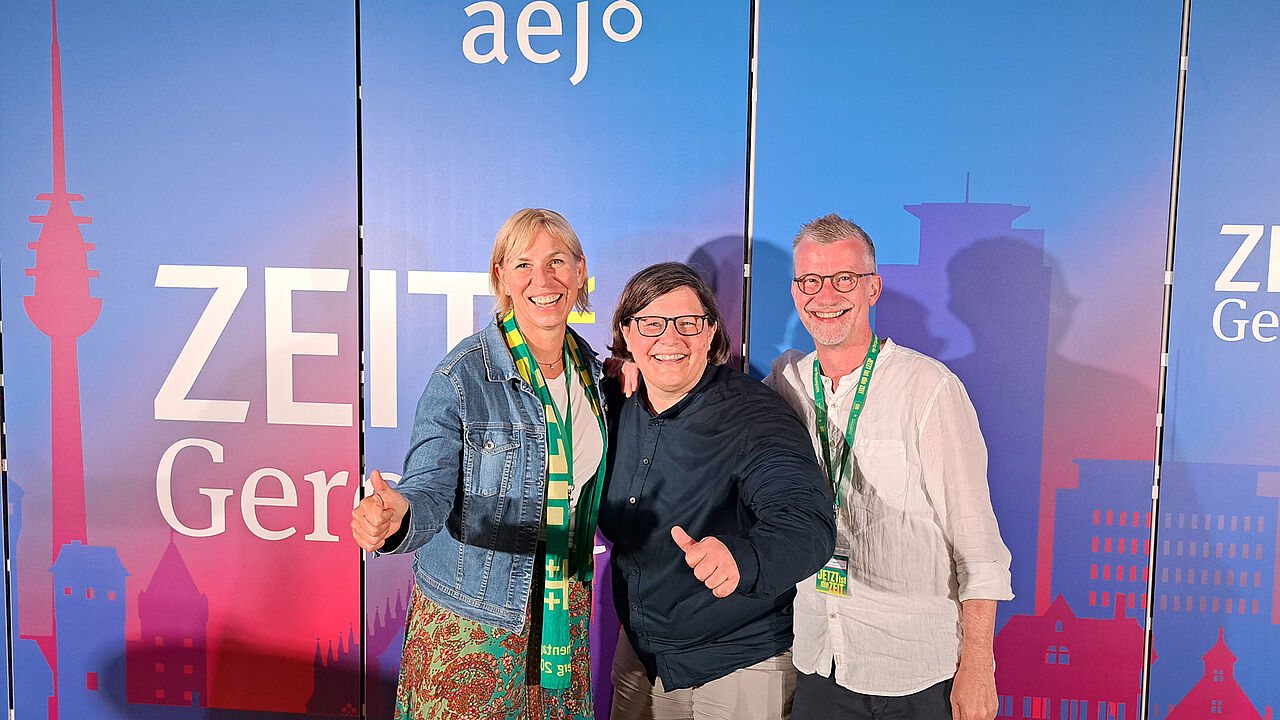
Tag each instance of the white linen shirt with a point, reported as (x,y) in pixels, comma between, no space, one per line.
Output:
(916,522)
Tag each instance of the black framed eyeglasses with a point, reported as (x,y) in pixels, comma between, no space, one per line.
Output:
(844,281)
(655,325)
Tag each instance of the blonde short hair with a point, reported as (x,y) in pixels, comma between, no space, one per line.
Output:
(516,234)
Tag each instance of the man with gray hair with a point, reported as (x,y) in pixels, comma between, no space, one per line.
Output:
(899,623)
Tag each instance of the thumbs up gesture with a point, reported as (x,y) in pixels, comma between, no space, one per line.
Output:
(711,561)
(378,515)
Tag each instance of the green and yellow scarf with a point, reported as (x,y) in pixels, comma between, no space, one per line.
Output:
(561,554)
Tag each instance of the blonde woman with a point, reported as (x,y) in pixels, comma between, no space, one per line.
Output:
(499,497)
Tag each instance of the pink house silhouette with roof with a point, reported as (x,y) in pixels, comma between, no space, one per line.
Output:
(1217,696)
(1059,666)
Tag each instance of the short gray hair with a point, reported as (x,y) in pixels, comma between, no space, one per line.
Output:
(832,228)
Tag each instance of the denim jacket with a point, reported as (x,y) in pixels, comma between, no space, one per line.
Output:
(476,469)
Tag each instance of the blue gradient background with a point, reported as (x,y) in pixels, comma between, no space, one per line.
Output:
(1231,147)
(866,107)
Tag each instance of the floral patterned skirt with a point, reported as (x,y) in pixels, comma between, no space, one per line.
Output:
(459,669)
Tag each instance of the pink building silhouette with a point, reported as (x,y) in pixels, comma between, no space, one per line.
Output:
(169,664)
(1217,696)
(61,307)
(1057,665)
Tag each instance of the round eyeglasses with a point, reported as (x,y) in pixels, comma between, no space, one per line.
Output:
(655,325)
(811,283)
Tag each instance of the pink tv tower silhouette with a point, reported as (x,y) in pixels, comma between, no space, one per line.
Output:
(62,308)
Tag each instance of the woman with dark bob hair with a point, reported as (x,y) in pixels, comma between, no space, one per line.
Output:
(716,508)
(499,498)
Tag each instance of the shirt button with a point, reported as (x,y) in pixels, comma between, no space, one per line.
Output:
(631,500)
(644,461)
(635,607)
(488,445)
(832,616)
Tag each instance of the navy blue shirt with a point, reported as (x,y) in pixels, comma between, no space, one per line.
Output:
(730,459)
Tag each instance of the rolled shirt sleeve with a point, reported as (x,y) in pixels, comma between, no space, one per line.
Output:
(953,458)
(916,522)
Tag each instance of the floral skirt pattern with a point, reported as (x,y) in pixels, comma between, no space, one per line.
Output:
(459,669)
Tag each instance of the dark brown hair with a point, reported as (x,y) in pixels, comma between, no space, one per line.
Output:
(652,283)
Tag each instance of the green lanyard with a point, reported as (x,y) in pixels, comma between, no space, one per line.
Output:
(836,472)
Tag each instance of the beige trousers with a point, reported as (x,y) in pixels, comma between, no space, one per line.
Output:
(759,692)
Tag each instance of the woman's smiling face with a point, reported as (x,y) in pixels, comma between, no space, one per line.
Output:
(543,280)
(671,363)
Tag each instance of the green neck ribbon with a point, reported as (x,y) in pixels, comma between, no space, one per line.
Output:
(563,556)
(839,466)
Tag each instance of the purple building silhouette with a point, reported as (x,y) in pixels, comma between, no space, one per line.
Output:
(89,616)
(1217,556)
(1102,538)
(383,643)
(991,329)
(337,678)
(1214,560)
(33,687)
